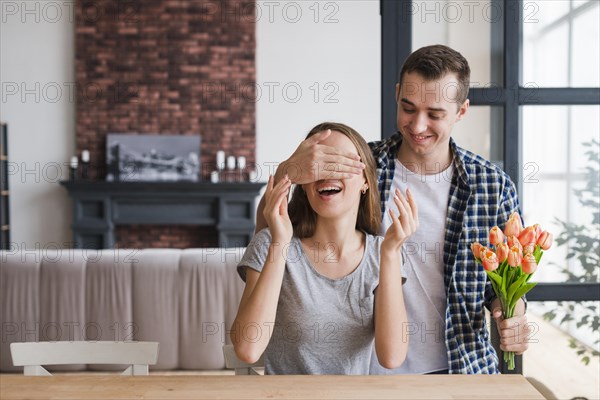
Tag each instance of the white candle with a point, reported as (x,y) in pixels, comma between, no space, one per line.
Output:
(214,176)
(253,176)
(241,162)
(85,156)
(220,159)
(74,162)
(231,162)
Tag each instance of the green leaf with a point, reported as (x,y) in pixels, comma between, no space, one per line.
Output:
(537,254)
(586,360)
(583,321)
(523,290)
(513,288)
(549,316)
(566,318)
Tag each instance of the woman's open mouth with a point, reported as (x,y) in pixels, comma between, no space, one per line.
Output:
(327,190)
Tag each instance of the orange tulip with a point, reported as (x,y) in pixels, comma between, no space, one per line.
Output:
(515,256)
(496,236)
(482,251)
(528,249)
(527,236)
(529,265)
(476,249)
(490,261)
(538,231)
(502,252)
(514,241)
(545,240)
(514,226)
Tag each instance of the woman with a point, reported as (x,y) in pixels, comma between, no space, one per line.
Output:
(320,286)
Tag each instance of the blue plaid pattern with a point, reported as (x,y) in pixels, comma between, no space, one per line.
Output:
(481,196)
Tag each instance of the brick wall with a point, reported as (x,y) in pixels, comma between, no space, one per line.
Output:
(169,67)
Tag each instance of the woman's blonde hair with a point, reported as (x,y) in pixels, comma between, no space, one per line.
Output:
(304,218)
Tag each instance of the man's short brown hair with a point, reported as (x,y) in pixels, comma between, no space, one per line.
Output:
(434,62)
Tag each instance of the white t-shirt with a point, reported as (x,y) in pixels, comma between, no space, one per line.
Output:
(423,253)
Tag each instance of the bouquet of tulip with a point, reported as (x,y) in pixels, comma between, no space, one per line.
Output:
(511,259)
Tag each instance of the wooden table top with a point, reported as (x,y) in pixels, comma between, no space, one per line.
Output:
(314,387)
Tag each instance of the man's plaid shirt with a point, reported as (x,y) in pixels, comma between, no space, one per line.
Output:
(481,196)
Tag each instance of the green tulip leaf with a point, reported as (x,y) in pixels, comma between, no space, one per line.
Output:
(494,277)
(516,285)
(522,291)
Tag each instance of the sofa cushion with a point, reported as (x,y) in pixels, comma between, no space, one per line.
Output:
(184,299)
(205,297)
(156,302)
(108,300)
(62,291)
(19,302)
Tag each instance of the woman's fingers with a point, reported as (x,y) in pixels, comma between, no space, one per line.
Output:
(413,206)
(396,225)
(281,202)
(275,194)
(410,220)
(283,206)
(270,184)
(407,212)
(281,189)
(404,209)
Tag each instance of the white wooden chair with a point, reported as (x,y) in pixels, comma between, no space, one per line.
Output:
(240,367)
(32,355)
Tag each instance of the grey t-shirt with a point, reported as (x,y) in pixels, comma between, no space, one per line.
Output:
(322,325)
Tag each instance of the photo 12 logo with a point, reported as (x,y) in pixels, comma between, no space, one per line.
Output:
(271,92)
(432,11)
(291,12)
(53,12)
(71,92)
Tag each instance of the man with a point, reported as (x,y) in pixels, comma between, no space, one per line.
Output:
(461,197)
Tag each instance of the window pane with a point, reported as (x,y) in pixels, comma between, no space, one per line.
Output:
(586,50)
(561,42)
(585,125)
(453,23)
(554,162)
(547,123)
(551,361)
(480,132)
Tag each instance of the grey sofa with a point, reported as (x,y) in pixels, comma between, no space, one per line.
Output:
(184,299)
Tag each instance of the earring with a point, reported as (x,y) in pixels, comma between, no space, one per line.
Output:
(364,189)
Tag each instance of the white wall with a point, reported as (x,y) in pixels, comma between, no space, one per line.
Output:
(36,72)
(333,44)
(466,27)
(339,45)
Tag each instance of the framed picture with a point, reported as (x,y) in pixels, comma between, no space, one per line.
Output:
(132,157)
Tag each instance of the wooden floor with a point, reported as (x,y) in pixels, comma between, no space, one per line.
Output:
(551,362)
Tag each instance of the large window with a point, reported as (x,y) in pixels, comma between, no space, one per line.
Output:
(536,101)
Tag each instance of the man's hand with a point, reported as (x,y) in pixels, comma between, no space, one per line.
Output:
(514,332)
(313,161)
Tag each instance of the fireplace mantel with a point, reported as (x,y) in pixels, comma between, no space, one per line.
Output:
(99,206)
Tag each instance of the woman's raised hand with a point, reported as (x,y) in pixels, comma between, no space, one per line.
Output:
(404,224)
(276,210)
